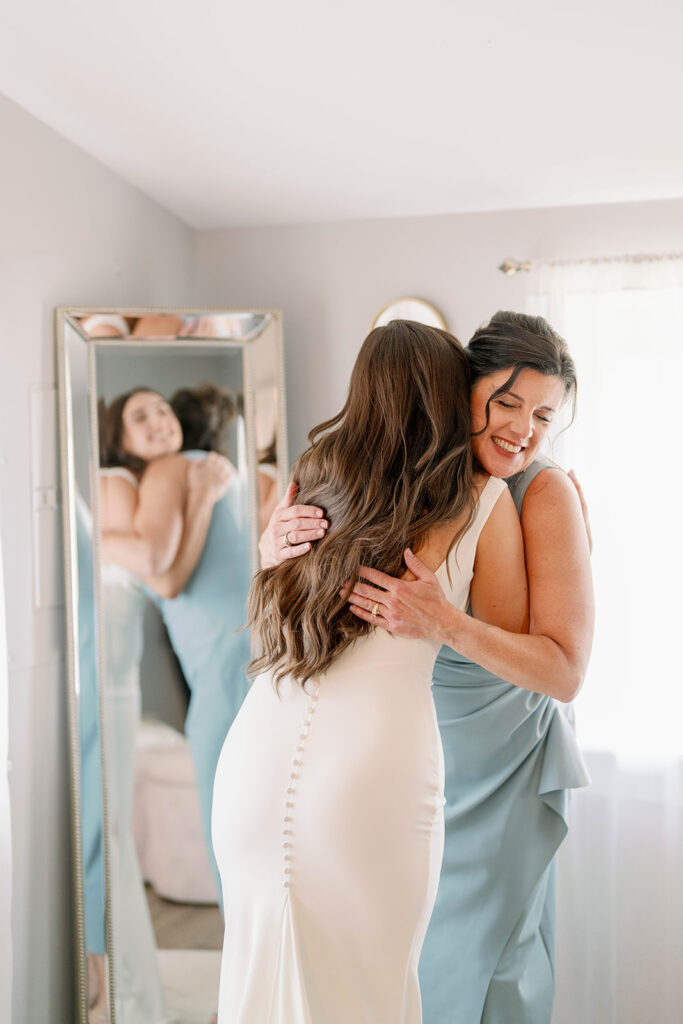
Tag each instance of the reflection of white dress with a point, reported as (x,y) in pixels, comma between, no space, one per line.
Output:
(138,985)
(328,831)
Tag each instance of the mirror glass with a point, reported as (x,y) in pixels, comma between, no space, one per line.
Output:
(173,451)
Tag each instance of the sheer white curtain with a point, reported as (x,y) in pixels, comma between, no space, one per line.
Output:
(5,829)
(620,897)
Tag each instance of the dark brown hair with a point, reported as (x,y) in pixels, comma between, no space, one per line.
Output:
(112,452)
(519,341)
(394,464)
(203,412)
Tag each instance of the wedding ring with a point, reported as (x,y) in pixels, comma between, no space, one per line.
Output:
(375,610)
(288,543)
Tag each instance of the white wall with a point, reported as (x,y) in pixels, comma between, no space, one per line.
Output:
(330,279)
(71,232)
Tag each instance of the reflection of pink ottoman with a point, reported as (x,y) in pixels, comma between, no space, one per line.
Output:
(167,825)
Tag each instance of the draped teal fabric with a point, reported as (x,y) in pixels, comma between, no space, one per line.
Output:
(204,624)
(511,756)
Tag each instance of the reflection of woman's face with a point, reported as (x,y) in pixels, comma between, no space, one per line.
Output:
(518,420)
(150,427)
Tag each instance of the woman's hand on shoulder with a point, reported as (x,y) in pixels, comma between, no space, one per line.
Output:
(291,530)
(208,479)
(558,565)
(584,508)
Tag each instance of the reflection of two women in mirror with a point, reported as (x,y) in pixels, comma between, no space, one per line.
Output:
(329,797)
(174,527)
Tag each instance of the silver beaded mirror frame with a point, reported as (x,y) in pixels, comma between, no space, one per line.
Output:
(100,348)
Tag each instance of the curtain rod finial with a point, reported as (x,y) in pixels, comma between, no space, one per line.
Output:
(511,267)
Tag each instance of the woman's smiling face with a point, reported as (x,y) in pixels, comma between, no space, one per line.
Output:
(518,420)
(150,427)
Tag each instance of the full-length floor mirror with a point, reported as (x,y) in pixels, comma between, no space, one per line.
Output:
(173,456)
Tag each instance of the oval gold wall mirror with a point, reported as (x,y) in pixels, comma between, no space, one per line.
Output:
(408,308)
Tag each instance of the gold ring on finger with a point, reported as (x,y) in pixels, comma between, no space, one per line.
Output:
(375,610)
(288,543)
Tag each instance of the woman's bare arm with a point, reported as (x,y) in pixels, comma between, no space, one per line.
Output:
(160,514)
(552,658)
(148,544)
(203,482)
(118,505)
(207,481)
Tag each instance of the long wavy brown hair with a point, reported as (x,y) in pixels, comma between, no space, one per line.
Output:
(394,464)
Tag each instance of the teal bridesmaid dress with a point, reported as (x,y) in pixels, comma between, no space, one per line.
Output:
(89,741)
(204,625)
(511,757)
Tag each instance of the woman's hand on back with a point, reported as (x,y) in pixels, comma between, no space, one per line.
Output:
(418,607)
(291,530)
(208,479)
(413,608)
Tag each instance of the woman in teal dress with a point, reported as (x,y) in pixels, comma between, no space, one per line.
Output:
(204,626)
(509,748)
(511,757)
(92,847)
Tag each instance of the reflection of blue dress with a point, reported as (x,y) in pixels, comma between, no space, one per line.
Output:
(510,758)
(89,740)
(202,624)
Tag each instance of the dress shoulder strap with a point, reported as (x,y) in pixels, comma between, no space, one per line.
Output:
(459,566)
(121,471)
(519,483)
(491,492)
(466,547)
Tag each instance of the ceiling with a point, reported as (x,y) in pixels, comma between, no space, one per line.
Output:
(274,112)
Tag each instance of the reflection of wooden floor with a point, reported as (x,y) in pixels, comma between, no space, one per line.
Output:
(184,925)
(190,980)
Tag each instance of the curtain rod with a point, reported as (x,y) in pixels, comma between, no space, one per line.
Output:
(510,267)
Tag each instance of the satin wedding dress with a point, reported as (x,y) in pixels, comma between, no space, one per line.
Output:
(328,831)
(139,998)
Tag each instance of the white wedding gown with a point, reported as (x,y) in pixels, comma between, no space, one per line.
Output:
(328,831)
(138,988)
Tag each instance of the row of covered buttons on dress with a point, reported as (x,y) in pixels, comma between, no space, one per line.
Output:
(288,819)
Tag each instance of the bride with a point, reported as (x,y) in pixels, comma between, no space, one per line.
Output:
(328,799)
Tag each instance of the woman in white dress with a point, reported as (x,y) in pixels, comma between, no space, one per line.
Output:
(150,431)
(328,800)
